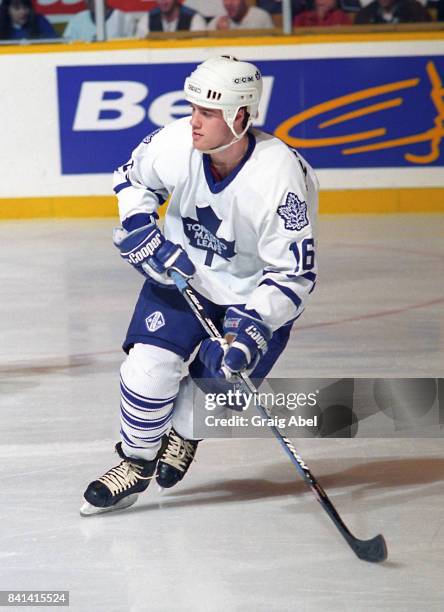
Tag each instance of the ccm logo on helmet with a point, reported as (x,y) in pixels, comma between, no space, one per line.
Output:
(248,79)
(194,88)
(146,251)
(245,79)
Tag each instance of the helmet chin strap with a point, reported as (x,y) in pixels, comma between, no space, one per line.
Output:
(221,148)
(236,138)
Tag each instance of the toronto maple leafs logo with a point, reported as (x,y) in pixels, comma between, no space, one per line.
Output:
(293,212)
(202,234)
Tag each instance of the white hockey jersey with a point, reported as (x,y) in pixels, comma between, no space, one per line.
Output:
(250,236)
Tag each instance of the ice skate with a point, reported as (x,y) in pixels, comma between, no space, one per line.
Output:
(176,460)
(120,487)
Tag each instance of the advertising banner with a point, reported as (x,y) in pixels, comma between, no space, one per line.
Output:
(59,7)
(340,113)
(69,7)
(367,115)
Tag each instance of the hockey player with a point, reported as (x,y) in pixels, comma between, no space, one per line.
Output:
(240,227)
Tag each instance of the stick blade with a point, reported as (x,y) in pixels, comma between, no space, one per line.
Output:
(374,550)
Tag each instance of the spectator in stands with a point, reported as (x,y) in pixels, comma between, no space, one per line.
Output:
(392,11)
(240,15)
(324,13)
(83,25)
(169,16)
(18,20)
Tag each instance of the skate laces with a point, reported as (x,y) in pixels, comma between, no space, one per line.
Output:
(179,452)
(123,476)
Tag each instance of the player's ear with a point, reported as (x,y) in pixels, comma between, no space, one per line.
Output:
(241,118)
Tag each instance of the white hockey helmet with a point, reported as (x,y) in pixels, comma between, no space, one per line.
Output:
(228,85)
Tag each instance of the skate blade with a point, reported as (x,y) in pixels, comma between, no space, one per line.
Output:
(89,510)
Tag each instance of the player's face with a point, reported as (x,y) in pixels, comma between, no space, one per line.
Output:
(209,129)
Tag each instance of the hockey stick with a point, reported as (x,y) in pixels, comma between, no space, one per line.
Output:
(373,550)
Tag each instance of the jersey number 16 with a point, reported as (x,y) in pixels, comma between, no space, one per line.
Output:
(303,252)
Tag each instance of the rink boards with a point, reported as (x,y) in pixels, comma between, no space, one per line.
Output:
(366,113)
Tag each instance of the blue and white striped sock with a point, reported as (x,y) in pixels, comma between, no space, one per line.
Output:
(149,384)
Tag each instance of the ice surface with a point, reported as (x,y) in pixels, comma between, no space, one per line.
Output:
(241,532)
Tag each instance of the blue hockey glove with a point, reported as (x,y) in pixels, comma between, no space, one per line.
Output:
(251,337)
(151,254)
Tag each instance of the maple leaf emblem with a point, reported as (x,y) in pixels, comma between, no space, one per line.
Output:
(293,212)
(202,234)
